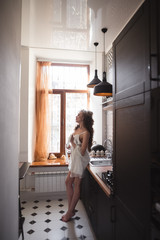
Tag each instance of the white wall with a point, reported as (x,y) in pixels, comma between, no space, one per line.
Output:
(24,116)
(10,22)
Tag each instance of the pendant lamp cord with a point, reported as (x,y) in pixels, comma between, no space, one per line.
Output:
(96,44)
(104,53)
(95,57)
(104,30)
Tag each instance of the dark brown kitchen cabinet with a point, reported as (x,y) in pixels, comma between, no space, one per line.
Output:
(155,121)
(155,43)
(105,216)
(99,208)
(136,117)
(132,166)
(155,164)
(132,230)
(89,193)
(131,54)
(137,53)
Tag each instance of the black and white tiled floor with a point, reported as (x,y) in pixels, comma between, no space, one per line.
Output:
(43,221)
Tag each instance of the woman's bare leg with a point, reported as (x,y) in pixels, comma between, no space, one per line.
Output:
(69,188)
(74,200)
(76,194)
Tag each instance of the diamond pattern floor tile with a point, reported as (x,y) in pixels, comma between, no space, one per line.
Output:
(43,221)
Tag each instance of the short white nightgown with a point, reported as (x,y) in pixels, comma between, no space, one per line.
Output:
(77,162)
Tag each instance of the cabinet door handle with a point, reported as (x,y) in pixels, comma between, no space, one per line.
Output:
(113,214)
(91,209)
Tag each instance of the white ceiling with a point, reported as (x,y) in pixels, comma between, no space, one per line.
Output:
(113,14)
(74,24)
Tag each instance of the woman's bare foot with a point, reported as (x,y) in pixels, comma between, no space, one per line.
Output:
(67,216)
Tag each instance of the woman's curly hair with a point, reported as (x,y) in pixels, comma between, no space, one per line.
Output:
(88,124)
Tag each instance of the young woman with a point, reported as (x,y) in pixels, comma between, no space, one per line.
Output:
(81,142)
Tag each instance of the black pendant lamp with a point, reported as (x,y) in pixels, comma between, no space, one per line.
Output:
(95,80)
(103,88)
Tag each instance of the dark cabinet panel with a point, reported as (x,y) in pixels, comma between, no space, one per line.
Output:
(89,191)
(99,208)
(155,43)
(155,121)
(131,52)
(132,230)
(136,131)
(155,167)
(105,216)
(132,156)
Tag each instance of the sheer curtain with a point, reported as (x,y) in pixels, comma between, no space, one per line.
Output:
(42,113)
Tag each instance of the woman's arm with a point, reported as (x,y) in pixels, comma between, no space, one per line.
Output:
(85,141)
(72,141)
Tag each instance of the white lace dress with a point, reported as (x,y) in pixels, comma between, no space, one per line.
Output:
(77,162)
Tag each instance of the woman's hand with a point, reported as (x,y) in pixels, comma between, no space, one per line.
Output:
(68,146)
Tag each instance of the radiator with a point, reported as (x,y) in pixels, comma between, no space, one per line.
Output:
(50,181)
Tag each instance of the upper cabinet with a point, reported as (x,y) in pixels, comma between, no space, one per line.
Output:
(136,53)
(131,50)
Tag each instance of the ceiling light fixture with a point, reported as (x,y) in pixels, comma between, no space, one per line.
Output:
(95,80)
(103,88)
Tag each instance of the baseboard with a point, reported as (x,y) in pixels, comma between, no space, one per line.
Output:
(31,195)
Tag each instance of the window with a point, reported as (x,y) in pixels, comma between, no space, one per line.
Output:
(68,95)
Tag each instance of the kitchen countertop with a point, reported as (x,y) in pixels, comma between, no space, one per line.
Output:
(23,168)
(94,170)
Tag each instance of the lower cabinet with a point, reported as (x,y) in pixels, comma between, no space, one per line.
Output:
(99,208)
(127,226)
(105,216)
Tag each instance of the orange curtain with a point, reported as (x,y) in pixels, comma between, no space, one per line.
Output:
(42,113)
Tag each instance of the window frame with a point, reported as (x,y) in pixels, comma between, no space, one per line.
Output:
(62,93)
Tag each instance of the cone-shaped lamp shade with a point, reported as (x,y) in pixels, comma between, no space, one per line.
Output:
(95,81)
(104,88)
